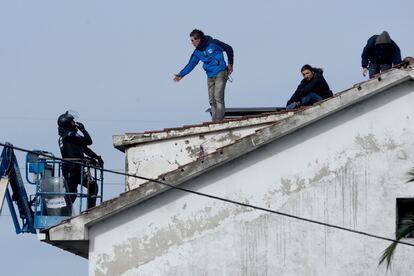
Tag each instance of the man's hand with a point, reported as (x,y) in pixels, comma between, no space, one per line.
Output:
(80,126)
(230,68)
(177,78)
(364,71)
(100,161)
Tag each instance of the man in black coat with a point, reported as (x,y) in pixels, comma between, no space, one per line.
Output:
(311,89)
(380,54)
(74,147)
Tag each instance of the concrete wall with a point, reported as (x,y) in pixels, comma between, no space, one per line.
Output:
(347,169)
(166,152)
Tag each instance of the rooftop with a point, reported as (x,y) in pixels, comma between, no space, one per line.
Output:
(130,139)
(71,235)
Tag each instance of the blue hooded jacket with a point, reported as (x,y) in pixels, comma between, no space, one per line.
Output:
(210,52)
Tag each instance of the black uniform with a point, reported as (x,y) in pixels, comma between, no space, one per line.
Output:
(75,146)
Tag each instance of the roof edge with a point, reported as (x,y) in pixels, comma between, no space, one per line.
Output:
(122,141)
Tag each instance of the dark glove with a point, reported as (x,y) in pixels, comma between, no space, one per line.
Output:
(80,126)
(100,161)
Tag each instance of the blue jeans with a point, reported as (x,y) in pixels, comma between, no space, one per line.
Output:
(309,99)
(375,68)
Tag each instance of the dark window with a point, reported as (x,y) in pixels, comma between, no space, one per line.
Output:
(405,210)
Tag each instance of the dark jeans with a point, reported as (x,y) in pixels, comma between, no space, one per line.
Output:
(309,99)
(374,69)
(73,178)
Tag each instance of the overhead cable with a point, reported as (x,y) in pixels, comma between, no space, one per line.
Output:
(214,197)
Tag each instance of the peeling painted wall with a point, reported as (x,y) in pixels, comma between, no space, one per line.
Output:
(347,169)
(151,159)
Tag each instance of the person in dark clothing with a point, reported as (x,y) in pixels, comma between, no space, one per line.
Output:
(210,52)
(74,147)
(311,89)
(380,54)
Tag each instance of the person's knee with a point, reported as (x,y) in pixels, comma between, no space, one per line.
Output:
(219,95)
(220,101)
(385,67)
(315,97)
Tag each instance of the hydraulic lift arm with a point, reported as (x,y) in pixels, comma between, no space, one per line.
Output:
(13,191)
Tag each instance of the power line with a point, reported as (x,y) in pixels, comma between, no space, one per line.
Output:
(216,197)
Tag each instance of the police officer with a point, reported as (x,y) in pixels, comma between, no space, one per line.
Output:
(74,146)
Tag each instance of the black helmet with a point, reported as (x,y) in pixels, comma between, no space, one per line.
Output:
(65,120)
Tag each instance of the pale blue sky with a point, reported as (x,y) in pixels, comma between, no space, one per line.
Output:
(113,62)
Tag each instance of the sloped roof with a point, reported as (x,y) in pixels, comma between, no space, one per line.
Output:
(131,139)
(75,229)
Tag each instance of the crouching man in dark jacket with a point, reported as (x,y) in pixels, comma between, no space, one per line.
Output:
(380,54)
(311,89)
(74,148)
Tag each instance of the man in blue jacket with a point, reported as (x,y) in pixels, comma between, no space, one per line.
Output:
(210,52)
(380,54)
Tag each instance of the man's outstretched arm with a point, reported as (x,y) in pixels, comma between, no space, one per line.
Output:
(194,60)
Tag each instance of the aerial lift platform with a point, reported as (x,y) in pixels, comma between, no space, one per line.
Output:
(50,202)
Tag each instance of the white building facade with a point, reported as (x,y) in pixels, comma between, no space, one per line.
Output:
(343,161)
